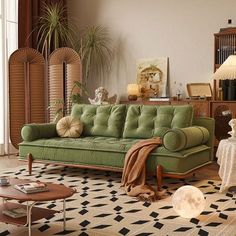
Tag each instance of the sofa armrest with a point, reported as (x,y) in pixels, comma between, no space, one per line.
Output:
(183,138)
(31,132)
(209,124)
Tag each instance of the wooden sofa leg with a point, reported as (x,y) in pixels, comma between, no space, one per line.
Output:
(159,177)
(30,162)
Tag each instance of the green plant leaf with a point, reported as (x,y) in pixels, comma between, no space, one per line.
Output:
(95,51)
(58,115)
(52,29)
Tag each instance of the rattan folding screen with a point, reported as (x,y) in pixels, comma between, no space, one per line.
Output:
(64,70)
(26,90)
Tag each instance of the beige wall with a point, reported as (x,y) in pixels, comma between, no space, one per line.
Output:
(179,29)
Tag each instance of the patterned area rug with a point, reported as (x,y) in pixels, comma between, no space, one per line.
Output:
(100,207)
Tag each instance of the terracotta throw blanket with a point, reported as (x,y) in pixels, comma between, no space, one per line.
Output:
(134,172)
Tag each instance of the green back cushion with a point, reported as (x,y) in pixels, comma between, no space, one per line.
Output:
(179,139)
(104,120)
(151,121)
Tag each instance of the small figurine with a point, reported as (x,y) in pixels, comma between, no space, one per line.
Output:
(101,97)
(232,124)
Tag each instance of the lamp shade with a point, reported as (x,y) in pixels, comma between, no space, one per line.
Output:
(227,70)
(133,89)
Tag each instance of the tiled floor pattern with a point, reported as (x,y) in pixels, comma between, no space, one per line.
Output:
(100,207)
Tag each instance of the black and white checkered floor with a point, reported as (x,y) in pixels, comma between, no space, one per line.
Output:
(100,207)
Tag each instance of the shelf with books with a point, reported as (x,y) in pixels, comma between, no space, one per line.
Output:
(37,213)
(225,45)
(55,192)
(17,212)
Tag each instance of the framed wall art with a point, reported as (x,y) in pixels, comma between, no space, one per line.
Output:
(152,77)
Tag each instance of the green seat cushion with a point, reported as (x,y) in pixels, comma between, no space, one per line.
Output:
(103,120)
(110,152)
(85,143)
(179,139)
(108,144)
(152,121)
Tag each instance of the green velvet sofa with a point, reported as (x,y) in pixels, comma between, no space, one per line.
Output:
(110,130)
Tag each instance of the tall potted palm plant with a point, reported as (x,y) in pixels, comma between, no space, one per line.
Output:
(53,31)
(95,51)
(94,45)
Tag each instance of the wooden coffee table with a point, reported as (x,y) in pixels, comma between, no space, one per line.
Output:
(56,191)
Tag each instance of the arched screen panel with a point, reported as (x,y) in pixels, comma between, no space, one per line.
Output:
(26,90)
(64,70)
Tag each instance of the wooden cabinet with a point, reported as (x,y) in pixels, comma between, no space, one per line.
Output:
(222,112)
(201,108)
(225,45)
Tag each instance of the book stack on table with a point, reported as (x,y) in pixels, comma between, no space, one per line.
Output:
(15,213)
(159,99)
(32,187)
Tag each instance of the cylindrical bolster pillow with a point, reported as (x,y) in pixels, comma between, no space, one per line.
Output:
(31,132)
(179,139)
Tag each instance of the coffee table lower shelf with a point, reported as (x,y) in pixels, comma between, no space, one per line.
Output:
(37,214)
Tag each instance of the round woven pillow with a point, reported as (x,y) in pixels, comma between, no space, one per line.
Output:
(69,127)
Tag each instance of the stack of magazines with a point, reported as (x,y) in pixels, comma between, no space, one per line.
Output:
(159,99)
(32,187)
(15,213)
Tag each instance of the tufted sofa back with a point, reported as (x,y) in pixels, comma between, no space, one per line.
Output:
(133,121)
(106,121)
(143,121)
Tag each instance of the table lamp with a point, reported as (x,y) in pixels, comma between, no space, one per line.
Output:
(226,74)
(133,92)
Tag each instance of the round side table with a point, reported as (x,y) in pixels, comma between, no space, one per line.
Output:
(56,192)
(226,154)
